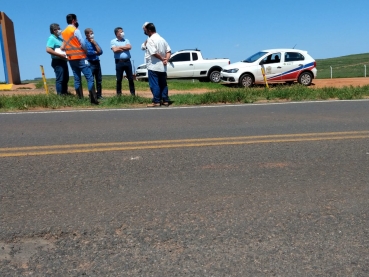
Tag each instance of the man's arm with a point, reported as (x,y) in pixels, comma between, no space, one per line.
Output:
(118,49)
(78,35)
(52,52)
(163,59)
(97,47)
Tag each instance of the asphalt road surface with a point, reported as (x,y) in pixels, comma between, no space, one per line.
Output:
(247,190)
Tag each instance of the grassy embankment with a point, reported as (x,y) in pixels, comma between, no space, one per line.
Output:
(343,67)
(347,66)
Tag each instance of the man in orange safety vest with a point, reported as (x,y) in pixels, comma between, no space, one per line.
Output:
(74,47)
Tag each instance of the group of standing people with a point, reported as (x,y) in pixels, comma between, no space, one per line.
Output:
(83,57)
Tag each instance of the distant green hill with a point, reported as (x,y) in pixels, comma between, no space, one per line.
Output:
(343,67)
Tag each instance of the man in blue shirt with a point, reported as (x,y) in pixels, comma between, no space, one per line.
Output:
(122,56)
(93,51)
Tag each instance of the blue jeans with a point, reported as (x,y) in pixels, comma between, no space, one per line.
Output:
(61,75)
(120,68)
(96,73)
(158,86)
(82,66)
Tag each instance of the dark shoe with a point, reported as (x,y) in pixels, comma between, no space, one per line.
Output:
(79,93)
(93,97)
(166,104)
(153,105)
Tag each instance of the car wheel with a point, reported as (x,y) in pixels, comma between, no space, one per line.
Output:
(246,81)
(305,78)
(214,76)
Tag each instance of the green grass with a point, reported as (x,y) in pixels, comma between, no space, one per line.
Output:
(280,92)
(221,95)
(343,67)
(109,82)
(53,101)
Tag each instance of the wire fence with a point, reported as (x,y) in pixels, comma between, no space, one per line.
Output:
(351,66)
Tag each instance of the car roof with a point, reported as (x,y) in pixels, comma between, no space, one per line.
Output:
(284,50)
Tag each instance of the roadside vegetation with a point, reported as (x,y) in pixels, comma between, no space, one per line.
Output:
(109,81)
(345,67)
(221,95)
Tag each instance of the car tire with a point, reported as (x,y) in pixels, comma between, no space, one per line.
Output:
(305,78)
(214,76)
(246,81)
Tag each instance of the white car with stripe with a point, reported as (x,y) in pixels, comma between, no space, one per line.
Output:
(280,66)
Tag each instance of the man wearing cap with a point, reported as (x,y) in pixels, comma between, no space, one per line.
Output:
(122,56)
(157,54)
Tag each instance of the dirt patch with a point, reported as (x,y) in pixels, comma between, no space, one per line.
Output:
(30,88)
(340,82)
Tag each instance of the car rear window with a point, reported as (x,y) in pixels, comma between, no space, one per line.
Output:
(181,57)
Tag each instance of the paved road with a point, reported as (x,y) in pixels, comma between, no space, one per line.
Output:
(254,190)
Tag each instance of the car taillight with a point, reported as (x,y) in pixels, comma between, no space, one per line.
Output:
(229,62)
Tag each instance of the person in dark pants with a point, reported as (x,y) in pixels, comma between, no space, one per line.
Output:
(93,51)
(122,56)
(157,54)
(59,61)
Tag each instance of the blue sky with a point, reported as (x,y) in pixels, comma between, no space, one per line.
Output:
(232,29)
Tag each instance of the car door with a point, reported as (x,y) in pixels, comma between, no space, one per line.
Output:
(292,65)
(180,66)
(273,67)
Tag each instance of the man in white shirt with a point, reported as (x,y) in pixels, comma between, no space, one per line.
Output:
(157,54)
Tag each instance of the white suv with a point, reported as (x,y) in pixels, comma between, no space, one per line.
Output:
(280,66)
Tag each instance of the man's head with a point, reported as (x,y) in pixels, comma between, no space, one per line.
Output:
(72,19)
(89,33)
(143,27)
(149,29)
(54,28)
(119,33)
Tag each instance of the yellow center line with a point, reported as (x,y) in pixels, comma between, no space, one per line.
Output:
(163,144)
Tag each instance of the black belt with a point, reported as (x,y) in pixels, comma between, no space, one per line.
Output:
(122,60)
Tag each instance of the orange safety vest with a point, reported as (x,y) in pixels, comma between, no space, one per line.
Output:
(73,47)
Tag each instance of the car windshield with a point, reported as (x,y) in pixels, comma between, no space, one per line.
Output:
(254,57)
